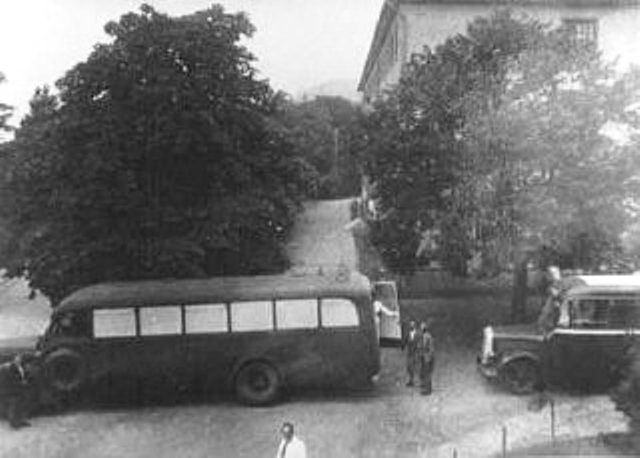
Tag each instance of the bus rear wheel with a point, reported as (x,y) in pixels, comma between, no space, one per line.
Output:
(257,383)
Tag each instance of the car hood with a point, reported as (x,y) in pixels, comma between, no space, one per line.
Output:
(518,331)
(10,347)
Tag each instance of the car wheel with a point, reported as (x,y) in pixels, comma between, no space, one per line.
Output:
(257,383)
(65,369)
(521,376)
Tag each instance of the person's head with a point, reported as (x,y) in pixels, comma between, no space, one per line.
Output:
(554,273)
(412,324)
(423,326)
(287,430)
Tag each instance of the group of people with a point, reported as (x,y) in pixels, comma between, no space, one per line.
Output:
(420,350)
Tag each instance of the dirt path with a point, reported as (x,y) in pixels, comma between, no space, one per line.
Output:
(320,237)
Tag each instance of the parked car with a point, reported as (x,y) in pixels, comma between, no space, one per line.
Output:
(597,321)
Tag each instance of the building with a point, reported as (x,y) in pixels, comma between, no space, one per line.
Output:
(406,26)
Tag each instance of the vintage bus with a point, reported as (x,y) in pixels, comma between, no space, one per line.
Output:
(254,335)
(597,322)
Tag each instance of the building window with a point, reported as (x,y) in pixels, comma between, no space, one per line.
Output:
(584,31)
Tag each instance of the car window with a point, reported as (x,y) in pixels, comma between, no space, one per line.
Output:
(119,322)
(205,318)
(156,321)
(252,316)
(297,314)
(338,313)
(590,313)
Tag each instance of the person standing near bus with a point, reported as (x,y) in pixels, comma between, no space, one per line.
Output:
(380,309)
(411,343)
(290,445)
(427,358)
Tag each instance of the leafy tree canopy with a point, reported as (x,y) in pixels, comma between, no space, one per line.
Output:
(492,145)
(160,157)
(326,132)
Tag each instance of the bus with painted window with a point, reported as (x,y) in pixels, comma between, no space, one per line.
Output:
(256,336)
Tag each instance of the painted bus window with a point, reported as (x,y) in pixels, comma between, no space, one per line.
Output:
(591,313)
(158,321)
(625,314)
(119,322)
(338,313)
(205,318)
(297,314)
(252,316)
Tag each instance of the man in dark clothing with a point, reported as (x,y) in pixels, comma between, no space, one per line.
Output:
(17,390)
(411,343)
(427,360)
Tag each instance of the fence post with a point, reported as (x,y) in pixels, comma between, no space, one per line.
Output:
(504,441)
(552,405)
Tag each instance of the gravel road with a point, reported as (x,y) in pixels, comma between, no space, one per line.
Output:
(464,413)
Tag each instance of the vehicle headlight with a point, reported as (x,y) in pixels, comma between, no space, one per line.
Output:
(487,344)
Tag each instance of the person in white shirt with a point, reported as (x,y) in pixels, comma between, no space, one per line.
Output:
(380,309)
(290,445)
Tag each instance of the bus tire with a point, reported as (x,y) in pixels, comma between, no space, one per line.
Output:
(65,369)
(257,383)
(521,376)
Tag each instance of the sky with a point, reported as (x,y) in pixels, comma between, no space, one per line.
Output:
(298,43)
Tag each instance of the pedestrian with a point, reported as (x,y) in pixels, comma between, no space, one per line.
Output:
(380,309)
(411,344)
(427,359)
(550,313)
(17,391)
(290,445)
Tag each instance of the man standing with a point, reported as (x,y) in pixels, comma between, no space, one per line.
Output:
(427,359)
(411,343)
(17,391)
(380,309)
(290,446)
(550,312)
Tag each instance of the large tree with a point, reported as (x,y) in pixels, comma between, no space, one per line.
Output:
(5,111)
(326,131)
(160,157)
(494,141)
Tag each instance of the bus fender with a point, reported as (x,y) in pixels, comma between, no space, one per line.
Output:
(524,355)
(248,360)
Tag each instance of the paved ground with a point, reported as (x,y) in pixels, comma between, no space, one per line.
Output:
(464,413)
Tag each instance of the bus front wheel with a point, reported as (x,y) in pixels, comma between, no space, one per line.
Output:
(257,383)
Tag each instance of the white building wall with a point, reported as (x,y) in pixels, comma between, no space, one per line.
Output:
(432,24)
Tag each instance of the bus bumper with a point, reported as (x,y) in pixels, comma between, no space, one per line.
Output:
(488,367)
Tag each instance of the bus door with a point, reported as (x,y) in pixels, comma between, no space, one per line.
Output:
(389,328)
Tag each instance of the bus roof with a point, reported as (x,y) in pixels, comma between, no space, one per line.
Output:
(603,280)
(601,285)
(214,290)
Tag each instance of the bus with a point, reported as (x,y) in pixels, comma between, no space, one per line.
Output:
(255,336)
